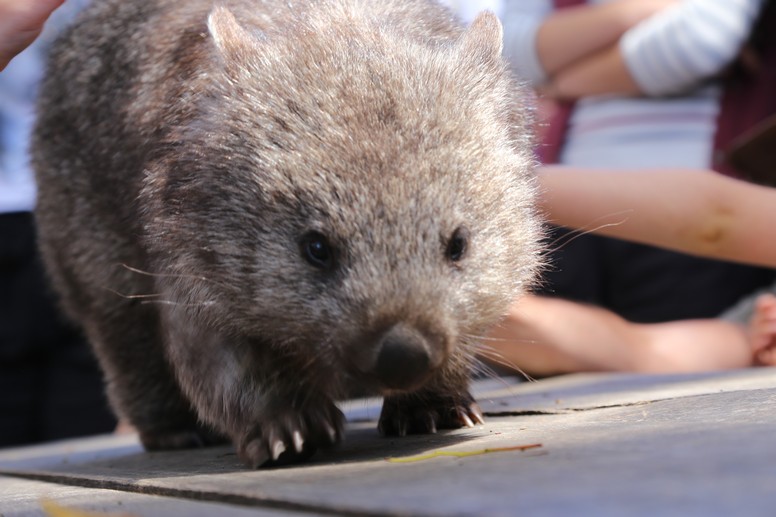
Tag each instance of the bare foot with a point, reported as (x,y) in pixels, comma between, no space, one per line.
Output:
(762,331)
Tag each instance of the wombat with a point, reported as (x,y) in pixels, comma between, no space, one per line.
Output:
(255,206)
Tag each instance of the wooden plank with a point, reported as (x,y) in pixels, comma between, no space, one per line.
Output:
(25,498)
(589,391)
(510,395)
(702,446)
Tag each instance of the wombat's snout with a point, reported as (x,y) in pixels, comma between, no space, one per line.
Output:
(404,358)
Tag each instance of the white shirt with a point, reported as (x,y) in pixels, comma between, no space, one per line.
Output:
(673,56)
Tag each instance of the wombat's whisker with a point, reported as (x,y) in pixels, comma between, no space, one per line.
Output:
(487,371)
(497,357)
(568,238)
(163,275)
(479,339)
(173,303)
(147,299)
(132,296)
(480,366)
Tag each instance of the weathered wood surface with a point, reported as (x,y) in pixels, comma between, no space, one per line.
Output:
(26,498)
(611,445)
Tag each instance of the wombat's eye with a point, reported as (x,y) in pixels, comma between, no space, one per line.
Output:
(456,246)
(316,250)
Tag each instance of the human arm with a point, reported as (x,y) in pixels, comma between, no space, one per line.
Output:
(577,32)
(694,211)
(666,54)
(603,73)
(548,336)
(540,42)
(21,21)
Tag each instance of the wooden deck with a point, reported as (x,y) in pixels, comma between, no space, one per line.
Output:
(610,445)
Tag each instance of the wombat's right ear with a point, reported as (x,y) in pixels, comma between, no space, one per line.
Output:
(484,37)
(233,42)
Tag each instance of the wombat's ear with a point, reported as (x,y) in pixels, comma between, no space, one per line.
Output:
(484,37)
(233,42)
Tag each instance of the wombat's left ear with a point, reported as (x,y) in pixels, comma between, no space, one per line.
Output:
(233,42)
(484,37)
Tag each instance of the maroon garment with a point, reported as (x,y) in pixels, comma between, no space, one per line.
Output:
(554,135)
(749,91)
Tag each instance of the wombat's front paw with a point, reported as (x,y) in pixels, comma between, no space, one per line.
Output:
(289,435)
(411,414)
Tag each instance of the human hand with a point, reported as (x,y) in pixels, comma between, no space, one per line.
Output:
(762,331)
(20,23)
(633,12)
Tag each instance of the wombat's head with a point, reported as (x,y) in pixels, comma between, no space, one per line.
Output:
(360,199)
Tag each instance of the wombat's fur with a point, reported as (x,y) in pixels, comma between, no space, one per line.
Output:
(253,207)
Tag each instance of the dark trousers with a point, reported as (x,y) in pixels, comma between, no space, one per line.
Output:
(50,385)
(643,283)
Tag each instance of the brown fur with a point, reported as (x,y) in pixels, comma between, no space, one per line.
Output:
(189,159)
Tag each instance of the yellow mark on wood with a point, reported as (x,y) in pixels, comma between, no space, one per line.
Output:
(52,509)
(462,454)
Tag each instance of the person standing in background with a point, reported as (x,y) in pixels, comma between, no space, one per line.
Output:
(658,84)
(50,386)
(642,84)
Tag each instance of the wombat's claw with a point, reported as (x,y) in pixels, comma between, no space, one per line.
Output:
(472,416)
(430,424)
(333,435)
(396,424)
(415,415)
(479,418)
(274,449)
(468,415)
(292,437)
(298,441)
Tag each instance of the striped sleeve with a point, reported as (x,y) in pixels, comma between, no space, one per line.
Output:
(687,43)
(522,20)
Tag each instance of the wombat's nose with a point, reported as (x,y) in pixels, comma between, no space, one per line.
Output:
(403,358)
